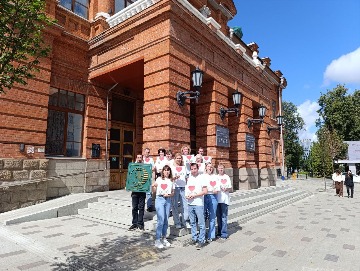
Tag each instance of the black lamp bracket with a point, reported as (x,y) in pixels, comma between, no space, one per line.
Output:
(223,111)
(181,96)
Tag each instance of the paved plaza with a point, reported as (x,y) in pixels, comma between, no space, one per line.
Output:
(321,232)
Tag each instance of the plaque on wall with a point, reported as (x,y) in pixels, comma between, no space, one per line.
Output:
(95,150)
(138,178)
(250,143)
(222,136)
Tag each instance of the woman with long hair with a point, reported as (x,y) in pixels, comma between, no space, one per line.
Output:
(179,177)
(210,199)
(164,189)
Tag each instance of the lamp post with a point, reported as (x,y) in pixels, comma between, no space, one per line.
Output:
(237,101)
(197,78)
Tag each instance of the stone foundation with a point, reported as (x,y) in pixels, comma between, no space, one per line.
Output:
(67,176)
(253,178)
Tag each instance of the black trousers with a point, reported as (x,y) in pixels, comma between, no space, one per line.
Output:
(351,188)
(138,206)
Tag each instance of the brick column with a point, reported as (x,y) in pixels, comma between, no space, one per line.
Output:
(213,96)
(165,124)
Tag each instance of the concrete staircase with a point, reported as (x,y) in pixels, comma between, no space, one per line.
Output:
(115,209)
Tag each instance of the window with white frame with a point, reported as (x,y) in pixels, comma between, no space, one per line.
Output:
(64,123)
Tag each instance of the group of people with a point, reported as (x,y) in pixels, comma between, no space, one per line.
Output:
(339,180)
(188,182)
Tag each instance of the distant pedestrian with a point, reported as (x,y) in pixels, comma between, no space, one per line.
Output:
(349,182)
(164,189)
(338,181)
(223,198)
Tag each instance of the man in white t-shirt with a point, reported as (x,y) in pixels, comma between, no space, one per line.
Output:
(148,160)
(223,199)
(194,191)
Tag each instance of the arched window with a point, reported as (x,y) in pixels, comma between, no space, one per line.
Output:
(79,7)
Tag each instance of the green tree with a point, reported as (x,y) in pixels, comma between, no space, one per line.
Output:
(339,111)
(21,43)
(329,147)
(293,123)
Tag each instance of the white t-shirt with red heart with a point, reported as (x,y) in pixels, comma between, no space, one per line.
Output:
(224,182)
(181,172)
(195,186)
(212,182)
(148,160)
(164,186)
(160,163)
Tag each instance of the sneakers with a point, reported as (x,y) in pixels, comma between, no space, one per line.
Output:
(209,240)
(188,226)
(166,243)
(199,246)
(178,226)
(133,227)
(158,244)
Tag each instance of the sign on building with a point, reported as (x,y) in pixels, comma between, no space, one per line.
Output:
(250,143)
(222,136)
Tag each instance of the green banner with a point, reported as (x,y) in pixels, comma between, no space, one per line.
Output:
(139,177)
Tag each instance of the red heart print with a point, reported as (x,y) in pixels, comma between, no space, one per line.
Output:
(188,157)
(163,186)
(147,159)
(178,169)
(206,158)
(161,158)
(223,181)
(212,183)
(191,187)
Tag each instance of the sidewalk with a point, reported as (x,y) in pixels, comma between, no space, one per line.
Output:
(321,232)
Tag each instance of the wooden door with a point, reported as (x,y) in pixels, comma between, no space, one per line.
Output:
(120,155)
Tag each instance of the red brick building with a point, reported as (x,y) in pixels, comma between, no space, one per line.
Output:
(112,77)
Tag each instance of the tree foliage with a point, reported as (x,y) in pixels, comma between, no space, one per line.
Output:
(339,111)
(329,147)
(293,123)
(21,42)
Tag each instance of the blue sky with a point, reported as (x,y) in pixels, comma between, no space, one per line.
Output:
(315,44)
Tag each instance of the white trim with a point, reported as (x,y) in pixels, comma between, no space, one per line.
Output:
(130,11)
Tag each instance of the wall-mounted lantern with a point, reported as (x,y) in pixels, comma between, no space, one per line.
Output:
(279,120)
(197,78)
(262,113)
(237,101)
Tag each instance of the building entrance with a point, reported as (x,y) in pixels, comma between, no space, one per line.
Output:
(121,154)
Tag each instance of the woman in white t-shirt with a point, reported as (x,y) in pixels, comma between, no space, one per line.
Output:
(164,189)
(210,200)
(160,162)
(223,198)
(179,176)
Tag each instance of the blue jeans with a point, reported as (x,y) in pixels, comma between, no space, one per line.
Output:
(222,215)
(148,200)
(197,212)
(179,194)
(162,206)
(210,206)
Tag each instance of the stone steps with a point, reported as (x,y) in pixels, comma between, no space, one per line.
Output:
(244,206)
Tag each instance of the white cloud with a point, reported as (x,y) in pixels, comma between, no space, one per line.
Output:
(344,70)
(307,111)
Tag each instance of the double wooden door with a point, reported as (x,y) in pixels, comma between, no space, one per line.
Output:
(120,155)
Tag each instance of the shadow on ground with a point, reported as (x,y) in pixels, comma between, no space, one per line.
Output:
(122,253)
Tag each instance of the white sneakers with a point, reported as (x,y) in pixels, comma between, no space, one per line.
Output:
(164,243)
(158,244)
